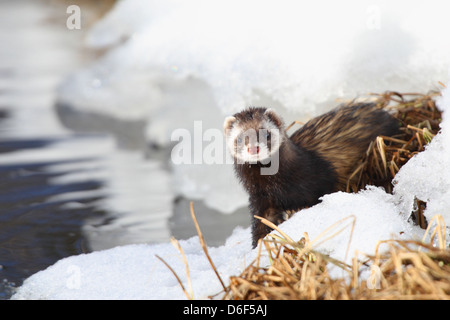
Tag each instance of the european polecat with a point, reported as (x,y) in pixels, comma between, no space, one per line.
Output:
(285,174)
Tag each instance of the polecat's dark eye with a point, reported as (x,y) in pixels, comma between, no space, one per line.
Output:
(268,135)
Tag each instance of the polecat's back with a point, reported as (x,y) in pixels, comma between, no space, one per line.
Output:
(343,135)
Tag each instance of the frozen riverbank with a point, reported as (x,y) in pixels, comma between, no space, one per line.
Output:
(298,59)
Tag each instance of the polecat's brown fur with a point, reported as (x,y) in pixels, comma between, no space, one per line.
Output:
(316,160)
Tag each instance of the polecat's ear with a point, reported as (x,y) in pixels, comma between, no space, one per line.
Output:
(228,123)
(272,115)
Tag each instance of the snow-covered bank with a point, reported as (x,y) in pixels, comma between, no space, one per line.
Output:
(300,54)
(133,271)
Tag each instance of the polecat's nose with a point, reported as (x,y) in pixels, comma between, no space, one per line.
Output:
(253,150)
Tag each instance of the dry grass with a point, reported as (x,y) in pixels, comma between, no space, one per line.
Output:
(419,118)
(408,270)
(398,269)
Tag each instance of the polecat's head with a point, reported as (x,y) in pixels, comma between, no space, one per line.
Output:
(254,135)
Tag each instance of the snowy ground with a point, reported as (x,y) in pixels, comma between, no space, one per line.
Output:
(299,58)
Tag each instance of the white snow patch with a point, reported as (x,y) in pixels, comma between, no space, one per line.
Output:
(134,272)
(355,222)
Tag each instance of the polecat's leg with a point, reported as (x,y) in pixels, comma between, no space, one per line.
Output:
(259,229)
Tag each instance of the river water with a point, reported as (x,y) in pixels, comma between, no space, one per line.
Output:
(63,192)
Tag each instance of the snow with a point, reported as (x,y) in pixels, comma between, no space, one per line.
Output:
(134,272)
(368,210)
(426,177)
(226,43)
(168,57)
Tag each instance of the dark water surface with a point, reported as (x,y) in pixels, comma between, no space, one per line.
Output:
(37,51)
(35,232)
(44,215)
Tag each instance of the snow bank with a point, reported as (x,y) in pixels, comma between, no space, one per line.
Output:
(298,54)
(360,220)
(133,272)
